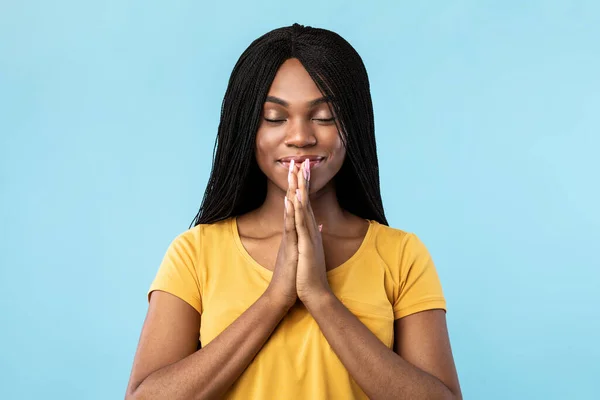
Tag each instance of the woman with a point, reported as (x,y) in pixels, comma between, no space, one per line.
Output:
(290,276)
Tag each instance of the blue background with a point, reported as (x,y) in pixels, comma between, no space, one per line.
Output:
(487,122)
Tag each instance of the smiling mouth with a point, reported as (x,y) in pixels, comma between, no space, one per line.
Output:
(313,160)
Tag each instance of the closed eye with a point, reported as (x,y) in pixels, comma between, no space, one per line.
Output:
(274,121)
(324,120)
(278,121)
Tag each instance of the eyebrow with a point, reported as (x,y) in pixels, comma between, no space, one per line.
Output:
(312,103)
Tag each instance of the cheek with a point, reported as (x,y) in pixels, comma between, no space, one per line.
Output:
(331,143)
(265,152)
(264,147)
(336,146)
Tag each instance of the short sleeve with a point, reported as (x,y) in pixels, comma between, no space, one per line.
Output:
(178,274)
(419,288)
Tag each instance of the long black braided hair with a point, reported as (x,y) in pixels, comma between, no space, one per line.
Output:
(236,184)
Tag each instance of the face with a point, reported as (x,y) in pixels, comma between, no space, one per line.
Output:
(296,123)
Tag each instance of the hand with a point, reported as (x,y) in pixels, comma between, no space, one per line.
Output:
(283,282)
(311,280)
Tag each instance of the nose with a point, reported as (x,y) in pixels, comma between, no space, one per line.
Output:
(300,134)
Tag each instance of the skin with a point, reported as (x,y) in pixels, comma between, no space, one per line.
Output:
(167,363)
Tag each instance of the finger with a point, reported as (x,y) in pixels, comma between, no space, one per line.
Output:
(289,233)
(302,222)
(302,177)
(299,216)
(310,221)
(292,181)
(308,203)
(290,215)
(303,186)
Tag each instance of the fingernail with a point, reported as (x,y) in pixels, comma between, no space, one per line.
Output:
(305,168)
(298,195)
(320,227)
(285,202)
(290,172)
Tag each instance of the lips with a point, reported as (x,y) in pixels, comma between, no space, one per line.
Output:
(313,160)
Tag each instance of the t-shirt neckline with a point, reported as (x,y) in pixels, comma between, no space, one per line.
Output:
(268,273)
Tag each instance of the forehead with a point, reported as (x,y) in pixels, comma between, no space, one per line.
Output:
(293,84)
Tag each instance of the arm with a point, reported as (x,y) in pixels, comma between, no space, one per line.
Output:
(167,364)
(420,368)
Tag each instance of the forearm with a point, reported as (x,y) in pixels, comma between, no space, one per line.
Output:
(210,371)
(381,373)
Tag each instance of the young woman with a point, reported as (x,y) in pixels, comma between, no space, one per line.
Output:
(290,277)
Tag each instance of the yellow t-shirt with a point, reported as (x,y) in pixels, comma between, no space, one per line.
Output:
(390,276)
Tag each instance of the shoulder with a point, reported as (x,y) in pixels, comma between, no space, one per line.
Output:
(396,245)
(388,238)
(189,247)
(192,242)
(204,232)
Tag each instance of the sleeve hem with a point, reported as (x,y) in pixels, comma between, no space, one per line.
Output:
(188,299)
(437,303)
